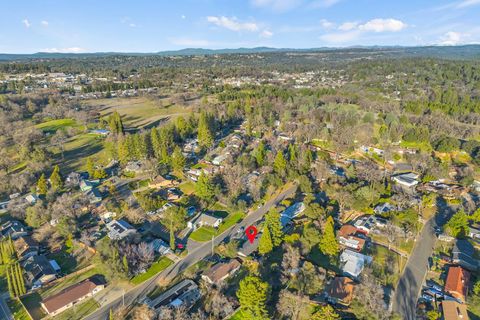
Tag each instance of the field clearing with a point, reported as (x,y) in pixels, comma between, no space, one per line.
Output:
(78,148)
(140,112)
(53,125)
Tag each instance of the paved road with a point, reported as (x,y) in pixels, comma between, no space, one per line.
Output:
(411,281)
(4,310)
(193,257)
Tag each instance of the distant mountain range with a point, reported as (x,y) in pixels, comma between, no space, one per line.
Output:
(460,52)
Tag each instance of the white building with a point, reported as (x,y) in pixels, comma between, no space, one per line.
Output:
(353,262)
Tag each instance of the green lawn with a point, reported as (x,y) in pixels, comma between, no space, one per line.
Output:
(78,148)
(237,315)
(155,268)
(205,233)
(78,311)
(18,311)
(187,187)
(54,125)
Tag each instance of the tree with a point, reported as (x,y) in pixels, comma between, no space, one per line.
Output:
(42,185)
(433,315)
(90,167)
(280,164)
(274,225)
(56,179)
(252,295)
(174,220)
(260,154)
(204,188)
(325,313)
(178,159)
(457,226)
(328,242)
(475,217)
(115,123)
(294,306)
(265,245)
(205,136)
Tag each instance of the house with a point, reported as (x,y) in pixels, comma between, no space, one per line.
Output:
(452,310)
(204,219)
(408,180)
(101,132)
(221,271)
(161,182)
(347,237)
(384,208)
(173,194)
(474,232)
(160,246)
(353,262)
(463,255)
(219,159)
(291,212)
(38,271)
(72,295)
(457,282)
(134,166)
(248,248)
(86,185)
(184,294)
(13,229)
(94,196)
(340,291)
(25,247)
(119,229)
(31,198)
(365,224)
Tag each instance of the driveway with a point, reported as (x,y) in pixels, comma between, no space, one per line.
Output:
(193,257)
(411,281)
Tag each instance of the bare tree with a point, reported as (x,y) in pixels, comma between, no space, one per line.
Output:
(293,306)
(290,261)
(142,312)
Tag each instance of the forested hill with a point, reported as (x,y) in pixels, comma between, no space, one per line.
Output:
(445,52)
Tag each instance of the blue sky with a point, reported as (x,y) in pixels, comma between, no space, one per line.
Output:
(29,26)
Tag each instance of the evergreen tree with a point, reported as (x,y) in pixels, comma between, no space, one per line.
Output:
(90,167)
(14,280)
(178,160)
(274,225)
(10,285)
(110,315)
(204,188)
(328,242)
(265,245)
(280,164)
(125,264)
(172,239)
(21,281)
(325,313)
(156,143)
(42,185)
(260,154)
(205,136)
(115,123)
(56,179)
(252,295)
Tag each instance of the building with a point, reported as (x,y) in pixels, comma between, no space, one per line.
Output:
(365,224)
(248,248)
(161,182)
(204,219)
(353,262)
(13,229)
(452,310)
(463,255)
(474,232)
(183,294)
(221,271)
(94,196)
(408,180)
(25,247)
(347,237)
(340,291)
(457,282)
(88,185)
(39,271)
(72,295)
(160,246)
(31,198)
(291,212)
(119,229)
(384,208)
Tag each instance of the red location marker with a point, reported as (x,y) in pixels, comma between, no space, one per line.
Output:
(251,233)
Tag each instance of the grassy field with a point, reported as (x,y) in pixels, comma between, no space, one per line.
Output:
(187,187)
(205,233)
(155,268)
(18,311)
(78,311)
(78,148)
(53,125)
(139,112)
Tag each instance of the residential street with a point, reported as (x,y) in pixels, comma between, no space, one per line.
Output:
(193,257)
(4,310)
(411,282)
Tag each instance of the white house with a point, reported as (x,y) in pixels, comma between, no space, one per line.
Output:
(120,229)
(353,262)
(406,179)
(204,219)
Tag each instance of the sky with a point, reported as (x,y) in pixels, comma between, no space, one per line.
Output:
(29,26)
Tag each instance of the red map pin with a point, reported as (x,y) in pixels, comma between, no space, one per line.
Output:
(251,232)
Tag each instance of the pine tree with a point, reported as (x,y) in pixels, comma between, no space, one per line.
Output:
(204,188)
(274,225)
(252,295)
(10,285)
(21,281)
(205,136)
(156,143)
(265,244)
(125,264)
(328,242)
(260,154)
(325,313)
(178,160)
(14,279)
(172,239)
(280,164)
(56,179)
(42,185)
(110,315)
(90,167)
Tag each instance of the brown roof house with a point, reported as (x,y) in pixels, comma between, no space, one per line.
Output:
(72,295)
(347,237)
(457,282)
(452,310)
(25,247)
(340,291)
(221,271)
(161,182)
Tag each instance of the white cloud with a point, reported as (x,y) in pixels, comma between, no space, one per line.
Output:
(383,25)
(347,26)
(277,5)
(183,16)
(44,23)
(266,34)
(453,38)
(233,24)
(132,25)
(64,50)
(326,24)
(324,3)
(26,23)
(468,3)
(341,37)
(187,42)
